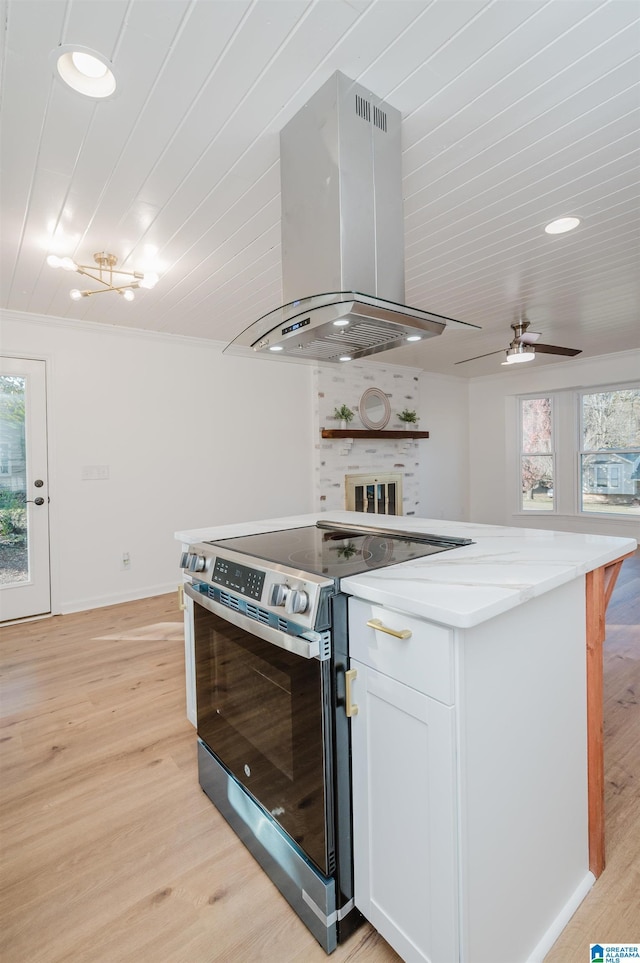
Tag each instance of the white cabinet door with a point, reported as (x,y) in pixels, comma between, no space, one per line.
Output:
(404,816)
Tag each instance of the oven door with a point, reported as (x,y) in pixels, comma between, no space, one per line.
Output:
(264,710)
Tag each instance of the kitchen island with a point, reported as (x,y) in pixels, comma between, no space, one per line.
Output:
(478,817)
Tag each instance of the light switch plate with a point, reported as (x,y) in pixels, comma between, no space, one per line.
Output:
(95,472)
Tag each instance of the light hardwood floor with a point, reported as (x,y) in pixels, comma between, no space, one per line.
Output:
(111,852)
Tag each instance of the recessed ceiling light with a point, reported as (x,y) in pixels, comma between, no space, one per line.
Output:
(84,70)
(414,337)
(562,225)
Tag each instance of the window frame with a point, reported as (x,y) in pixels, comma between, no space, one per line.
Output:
(538,512)
(581,451)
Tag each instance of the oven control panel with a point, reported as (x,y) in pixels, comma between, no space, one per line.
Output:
(290,594)
(239,578)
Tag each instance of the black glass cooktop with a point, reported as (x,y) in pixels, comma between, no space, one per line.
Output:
(335,554)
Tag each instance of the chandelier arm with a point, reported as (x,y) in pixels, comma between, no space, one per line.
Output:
(112,287)
(87,269)
(123,287)
(109,287)
(93,277)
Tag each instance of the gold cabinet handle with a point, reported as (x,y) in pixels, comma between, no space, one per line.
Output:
(181,604)
(351,708)
(381,627)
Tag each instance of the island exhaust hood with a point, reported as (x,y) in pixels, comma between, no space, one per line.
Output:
(342,233)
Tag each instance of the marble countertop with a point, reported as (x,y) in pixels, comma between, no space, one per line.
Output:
(467,585)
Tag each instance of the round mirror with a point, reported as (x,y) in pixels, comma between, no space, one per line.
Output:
(375,409)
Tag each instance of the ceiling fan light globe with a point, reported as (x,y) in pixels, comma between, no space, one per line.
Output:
(521,352)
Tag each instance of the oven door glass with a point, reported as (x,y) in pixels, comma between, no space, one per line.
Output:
(265,713)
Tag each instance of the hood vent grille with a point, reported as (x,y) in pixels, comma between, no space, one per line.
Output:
(363,109)
(362,337)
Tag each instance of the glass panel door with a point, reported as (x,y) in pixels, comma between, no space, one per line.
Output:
(14,557)
(24,512)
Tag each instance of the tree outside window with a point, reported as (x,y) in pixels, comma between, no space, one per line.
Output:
(537,465)
(610,451)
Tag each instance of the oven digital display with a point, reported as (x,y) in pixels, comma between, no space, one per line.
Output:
(240,578)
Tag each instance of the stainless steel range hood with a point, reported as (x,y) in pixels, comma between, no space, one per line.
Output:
(342,233)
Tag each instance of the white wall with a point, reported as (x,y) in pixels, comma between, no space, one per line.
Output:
(191,438)
(444,476)
(493,443)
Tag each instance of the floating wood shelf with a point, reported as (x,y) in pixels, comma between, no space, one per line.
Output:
(354,433)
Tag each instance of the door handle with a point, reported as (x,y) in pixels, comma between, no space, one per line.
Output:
(350,708)
(35,501)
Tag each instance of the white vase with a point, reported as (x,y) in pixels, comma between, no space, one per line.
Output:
(343,424)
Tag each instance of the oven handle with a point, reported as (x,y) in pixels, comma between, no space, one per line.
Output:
(308,648)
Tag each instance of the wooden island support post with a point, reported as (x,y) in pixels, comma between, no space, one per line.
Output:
(599,586)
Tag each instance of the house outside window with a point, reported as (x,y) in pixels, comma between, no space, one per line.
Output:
(609,457)
(537,459)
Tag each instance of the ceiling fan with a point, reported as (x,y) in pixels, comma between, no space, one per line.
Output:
(525,345)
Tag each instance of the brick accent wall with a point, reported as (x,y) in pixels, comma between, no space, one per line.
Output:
(333,386)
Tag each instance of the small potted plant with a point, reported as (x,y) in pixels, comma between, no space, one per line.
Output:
(344,415)
(409,418)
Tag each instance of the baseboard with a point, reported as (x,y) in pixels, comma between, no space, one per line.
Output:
(116,598)
(562,919)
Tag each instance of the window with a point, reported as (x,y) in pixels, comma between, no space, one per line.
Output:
(610,451)
(537,462)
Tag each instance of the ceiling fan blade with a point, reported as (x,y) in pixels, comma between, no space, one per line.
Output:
(529,337)
(480,356)
(553,349)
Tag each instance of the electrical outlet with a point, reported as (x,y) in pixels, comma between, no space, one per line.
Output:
(126,560)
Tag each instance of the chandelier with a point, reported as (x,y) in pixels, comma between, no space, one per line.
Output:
(104,275)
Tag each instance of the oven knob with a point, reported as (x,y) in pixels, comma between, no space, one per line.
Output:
(279,593)
(197,563)
(184,560)
(297,602)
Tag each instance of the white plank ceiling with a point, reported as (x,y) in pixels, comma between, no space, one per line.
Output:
(514,112)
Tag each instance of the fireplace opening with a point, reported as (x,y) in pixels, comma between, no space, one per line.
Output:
(374,494)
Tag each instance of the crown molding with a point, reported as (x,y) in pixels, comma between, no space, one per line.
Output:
(25,317)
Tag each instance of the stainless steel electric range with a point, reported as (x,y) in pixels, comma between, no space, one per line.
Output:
(271,652)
